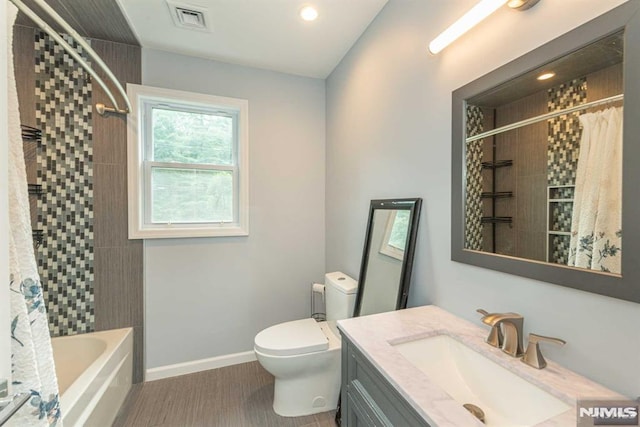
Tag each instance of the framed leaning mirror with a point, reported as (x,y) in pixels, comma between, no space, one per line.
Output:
(387,259)
(543,161)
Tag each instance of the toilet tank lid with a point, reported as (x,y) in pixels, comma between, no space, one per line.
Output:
(341,282)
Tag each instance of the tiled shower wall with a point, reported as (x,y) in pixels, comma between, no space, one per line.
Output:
(564,132)
(526,147)
(65,171)
(473,190)
(91,271)
(563,150)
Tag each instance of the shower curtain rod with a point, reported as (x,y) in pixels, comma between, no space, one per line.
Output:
(100,108)
(546,116)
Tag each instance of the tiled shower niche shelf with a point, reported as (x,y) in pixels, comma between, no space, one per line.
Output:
(560,200)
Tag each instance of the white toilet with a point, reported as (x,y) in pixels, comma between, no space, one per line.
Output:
(304,355)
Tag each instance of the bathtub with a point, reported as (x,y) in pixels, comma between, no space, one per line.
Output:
(94,375)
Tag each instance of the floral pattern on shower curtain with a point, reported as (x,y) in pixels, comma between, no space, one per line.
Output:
(596,225)
(32,369)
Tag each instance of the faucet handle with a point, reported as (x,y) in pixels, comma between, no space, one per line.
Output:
(533,356)
(495,337)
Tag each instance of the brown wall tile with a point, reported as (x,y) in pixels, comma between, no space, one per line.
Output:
(110,205)
(110,132)
(118,265)
(118,293)
(138,354)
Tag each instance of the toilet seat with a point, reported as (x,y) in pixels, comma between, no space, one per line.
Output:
(292,338)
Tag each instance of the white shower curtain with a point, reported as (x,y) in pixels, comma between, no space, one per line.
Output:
(596,226)
(32,367)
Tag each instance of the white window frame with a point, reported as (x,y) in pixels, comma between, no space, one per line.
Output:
(139,170)
(386,248)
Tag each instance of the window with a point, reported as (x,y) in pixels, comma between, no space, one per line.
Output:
(187,164)
(395,234)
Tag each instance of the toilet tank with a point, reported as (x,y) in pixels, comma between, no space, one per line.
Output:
(340,295)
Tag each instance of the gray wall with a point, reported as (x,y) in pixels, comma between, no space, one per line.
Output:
(209,297)
(388,135)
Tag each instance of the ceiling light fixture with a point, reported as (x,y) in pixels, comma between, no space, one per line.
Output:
(470,19)
(521,4)
(309,13)
(546,76)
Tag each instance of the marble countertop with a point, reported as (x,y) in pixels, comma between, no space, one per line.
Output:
(375,336)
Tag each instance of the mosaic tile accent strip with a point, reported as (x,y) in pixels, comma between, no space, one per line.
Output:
(564,132)
(65,171)
(562,158)
(473,205)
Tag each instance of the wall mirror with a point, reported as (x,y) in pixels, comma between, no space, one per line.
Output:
(543,156)
(387,260)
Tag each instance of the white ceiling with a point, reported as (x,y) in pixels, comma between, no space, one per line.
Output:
(265,34)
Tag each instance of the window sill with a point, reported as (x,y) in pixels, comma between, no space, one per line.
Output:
(186,232)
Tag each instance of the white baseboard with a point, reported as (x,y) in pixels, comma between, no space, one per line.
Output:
(198,365)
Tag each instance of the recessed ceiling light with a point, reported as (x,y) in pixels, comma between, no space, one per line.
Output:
(546,76)
(309,13)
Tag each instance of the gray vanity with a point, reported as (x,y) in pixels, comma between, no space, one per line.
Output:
(413,367)
(369,398)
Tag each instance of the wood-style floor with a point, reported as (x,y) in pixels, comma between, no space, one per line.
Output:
(235,396)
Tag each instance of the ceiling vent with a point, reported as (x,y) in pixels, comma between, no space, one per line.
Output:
(189,17)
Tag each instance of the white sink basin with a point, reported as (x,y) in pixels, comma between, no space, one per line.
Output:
(469,377)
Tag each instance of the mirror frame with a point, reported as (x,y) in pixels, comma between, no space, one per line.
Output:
(627,285)
(413,205)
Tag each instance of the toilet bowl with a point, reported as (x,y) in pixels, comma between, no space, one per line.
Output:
(307,380)
(304,355)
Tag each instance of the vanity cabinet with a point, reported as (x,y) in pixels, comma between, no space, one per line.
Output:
(368,399)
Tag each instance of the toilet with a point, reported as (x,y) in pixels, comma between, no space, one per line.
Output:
(304,355)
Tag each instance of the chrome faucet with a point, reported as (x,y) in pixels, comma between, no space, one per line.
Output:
(511,323)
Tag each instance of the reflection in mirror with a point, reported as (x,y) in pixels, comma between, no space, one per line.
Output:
(549,188)
(395,233)
(544,171)
(387,259)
